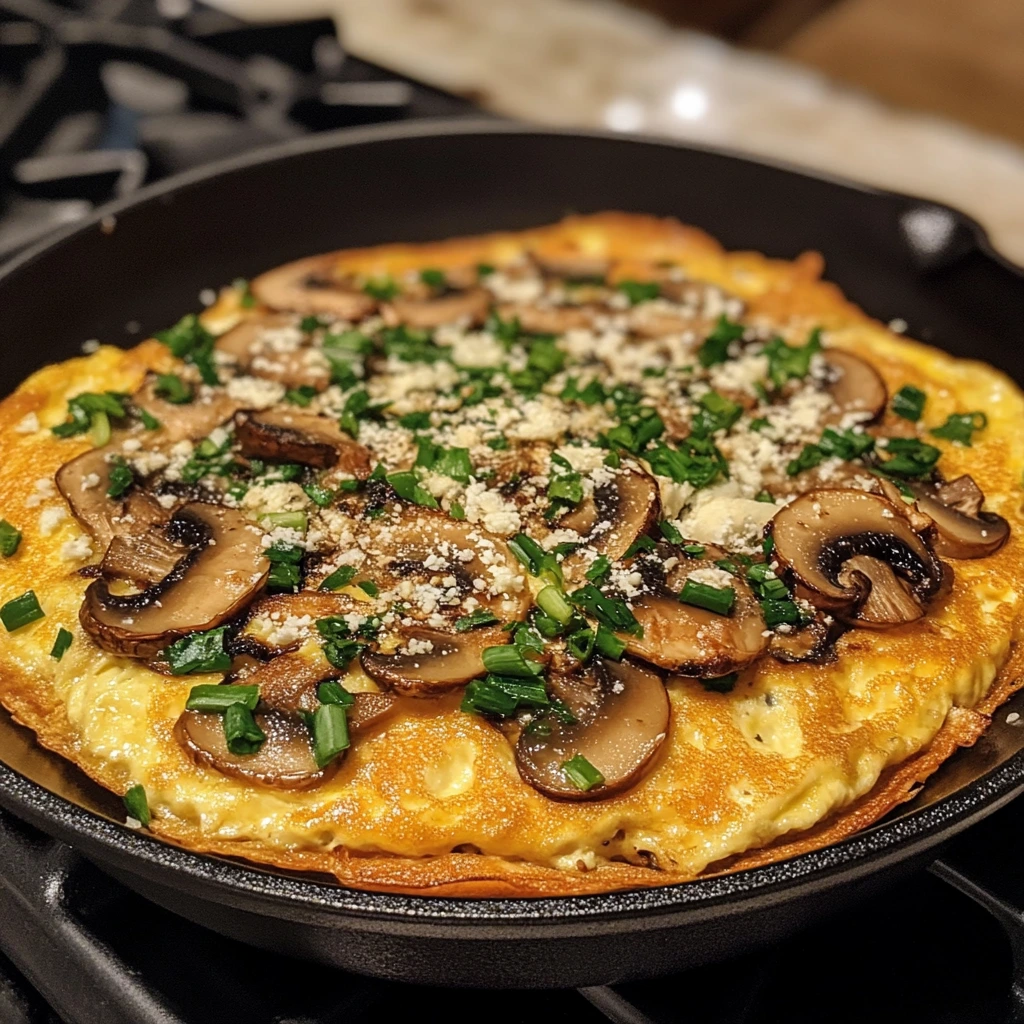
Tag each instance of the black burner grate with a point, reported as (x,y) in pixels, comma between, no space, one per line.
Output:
(98,98)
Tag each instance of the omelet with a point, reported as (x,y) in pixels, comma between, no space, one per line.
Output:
(576,559)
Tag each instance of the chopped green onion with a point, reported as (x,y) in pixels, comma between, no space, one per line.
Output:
(10,538)
(581,773)
(694,550)
(716,413)
(20,611)
(302,396)
(320,496)
(552,602)
(765,496)
(341,577)
(608,644)
(961,427)
(791,362)
(498,444)
(599,568)
(381,288)
(696,461)
(714,599)
(332,692)
(502,695)
(452,462)
(246,299)
(61,644)
(242,733)
(580,644)
(415,420)
(483,617)
(330,733)
(288,520)
(670,532)
(121,478)
(137,806)
(199,652)
(639,291)
(721,684)
(433,278)
(612,612)
(308,324)
(407,486)
(908,402)
(642,543)
(776,612)
(368,587)
(218,698)
(456,511)
(188,339)
(484,270)
(716,346)
(148,421)
(509,660)
(908,457)
(173,388)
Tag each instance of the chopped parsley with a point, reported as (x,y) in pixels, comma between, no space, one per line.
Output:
(285,566)
(639,291)
(450,462)
(481,617)
(565,487)
(434,278)
(791,362)
(198,652)
(121,478)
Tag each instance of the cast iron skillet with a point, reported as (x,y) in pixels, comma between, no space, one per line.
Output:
(137,265)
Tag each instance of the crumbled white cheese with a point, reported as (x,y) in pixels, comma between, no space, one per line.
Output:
(28,424)
(491,510)
(76,550)
(41,491)
(255,392)
(50,519)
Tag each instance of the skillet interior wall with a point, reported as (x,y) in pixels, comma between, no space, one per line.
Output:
(161,252)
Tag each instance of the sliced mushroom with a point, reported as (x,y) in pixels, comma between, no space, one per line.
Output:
(289,681)
(298,366)
(953,532)
(622,721)
(224,567)
(83,483)
(813,642)
(611,519)
(547,319)
(471,306)
(452,660)
(856,554)
(572,264)
(694,641)
(284,761)
(855,386)
(657,323)
(312,286)
(190,421)
(300,436)
(144,558)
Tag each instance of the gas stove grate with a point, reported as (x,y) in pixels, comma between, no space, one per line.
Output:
(99,98)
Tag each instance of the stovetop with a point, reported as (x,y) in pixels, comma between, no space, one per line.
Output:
(100,97)
(922,952)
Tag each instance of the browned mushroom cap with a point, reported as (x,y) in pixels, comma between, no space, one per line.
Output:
(572,264)
(142,558)
(471,305)
(83,482)
(855,386)
(223,568)
(547,319)
(622,713)
(813,642)
(855,553)
(694,641)
(300,436)
(190,421)
(957,534)
(294,367)
(452,660)
(284,761)
(289,681)
(614,516)
(311,286)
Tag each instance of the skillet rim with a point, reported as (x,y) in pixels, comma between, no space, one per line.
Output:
(859,855)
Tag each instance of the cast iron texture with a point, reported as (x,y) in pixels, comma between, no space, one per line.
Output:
(138,265)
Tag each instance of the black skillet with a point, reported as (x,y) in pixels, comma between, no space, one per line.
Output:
(137,265)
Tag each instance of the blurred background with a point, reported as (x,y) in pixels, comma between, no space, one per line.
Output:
(924,96)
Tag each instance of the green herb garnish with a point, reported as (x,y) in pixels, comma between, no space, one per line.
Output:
(61,643)
(137,806)
(199,652)
(715,348)
(639,291)
(241,732)
(791,362)
(581,773)
(961,427)
(482,617)
(714,599)
(20,611)
(908,402)
(10,538)
(188,339)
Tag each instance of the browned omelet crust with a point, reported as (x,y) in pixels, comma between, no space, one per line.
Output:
(896,703)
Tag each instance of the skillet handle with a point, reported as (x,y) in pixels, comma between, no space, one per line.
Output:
(81,978)
(984,865)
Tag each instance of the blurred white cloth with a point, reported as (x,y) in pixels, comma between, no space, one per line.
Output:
(601,64)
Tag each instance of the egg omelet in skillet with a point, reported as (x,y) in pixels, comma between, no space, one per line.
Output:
(581,558)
